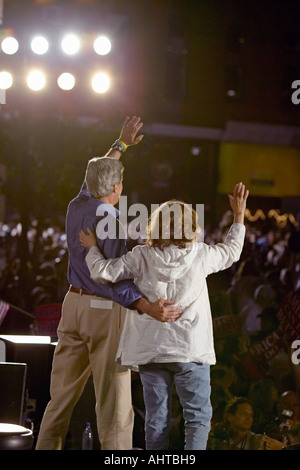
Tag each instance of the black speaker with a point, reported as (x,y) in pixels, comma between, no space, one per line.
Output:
(12,392)
(38,358)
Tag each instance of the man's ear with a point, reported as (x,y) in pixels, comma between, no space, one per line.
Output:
(116,187)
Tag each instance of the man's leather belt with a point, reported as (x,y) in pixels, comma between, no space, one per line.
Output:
(79,291)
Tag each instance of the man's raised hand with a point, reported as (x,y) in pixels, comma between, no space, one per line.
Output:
(129,131)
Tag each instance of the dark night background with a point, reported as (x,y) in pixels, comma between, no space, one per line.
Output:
(201,74)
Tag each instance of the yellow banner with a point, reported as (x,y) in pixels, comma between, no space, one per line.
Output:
(266,170)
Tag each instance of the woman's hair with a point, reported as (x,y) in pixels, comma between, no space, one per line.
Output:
(173,223)
(102,174)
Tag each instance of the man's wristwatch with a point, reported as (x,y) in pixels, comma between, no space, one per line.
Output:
(119,145)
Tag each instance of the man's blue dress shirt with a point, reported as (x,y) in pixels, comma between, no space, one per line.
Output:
(81,214)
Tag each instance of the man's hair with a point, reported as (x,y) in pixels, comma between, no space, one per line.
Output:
(172,223)
(102,174)
(232,405)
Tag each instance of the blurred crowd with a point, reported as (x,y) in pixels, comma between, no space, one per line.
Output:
(256,312)
(47,265)
(255,384)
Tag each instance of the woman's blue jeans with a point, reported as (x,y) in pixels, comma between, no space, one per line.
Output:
(192,382)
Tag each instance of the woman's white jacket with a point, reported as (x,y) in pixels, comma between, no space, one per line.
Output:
(177,274)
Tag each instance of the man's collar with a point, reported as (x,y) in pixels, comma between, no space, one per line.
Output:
(110,209)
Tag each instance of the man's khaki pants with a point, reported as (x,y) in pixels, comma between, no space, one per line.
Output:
(88,337)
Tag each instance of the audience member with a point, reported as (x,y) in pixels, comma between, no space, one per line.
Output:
(285,428)
(234,432)
(264,395)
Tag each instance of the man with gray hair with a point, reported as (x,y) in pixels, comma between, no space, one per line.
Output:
(101,175)
(93,314)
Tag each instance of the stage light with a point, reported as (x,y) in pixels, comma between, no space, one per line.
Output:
(195,150)
(66,81)
(39,45)
(6,80)
(231,93)
(102,45)
(27,339)
(36,80)
(100,83)
(70,44)
(9,45)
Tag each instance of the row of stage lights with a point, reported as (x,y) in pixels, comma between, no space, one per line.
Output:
(36,81)
(70,44)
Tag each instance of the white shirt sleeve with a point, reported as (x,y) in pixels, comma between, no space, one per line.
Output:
(113,270)
(222,255)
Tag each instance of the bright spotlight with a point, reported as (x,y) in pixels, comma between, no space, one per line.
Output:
(66,81)
(39,45)
(36,80)
(70,44)
(27,339)
(102,45)
(6,80)
(100,83)
(10,45)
